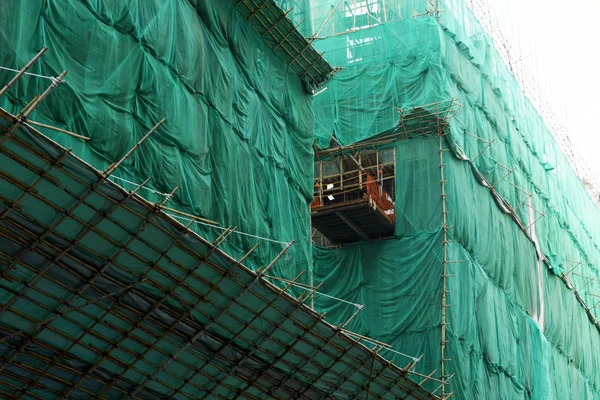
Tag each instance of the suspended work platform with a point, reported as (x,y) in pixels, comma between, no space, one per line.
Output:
(355,186)
(354,195)
(352,221)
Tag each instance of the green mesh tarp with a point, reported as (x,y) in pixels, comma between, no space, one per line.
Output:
(516,330)
(238,136)
(522,295)
(524,255)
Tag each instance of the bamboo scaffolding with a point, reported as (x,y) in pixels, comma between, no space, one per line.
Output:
(264,339)
(41,177)
(31,106)
(510,171)
(430,118)
(277,21)
(84,287)
(128,334)
(61,312)
(69,213)
(218,242)
(416,115)
(356,171)
(298,56)
(368,385)
(155,328)
(483,150)
(37,277)
(344,376)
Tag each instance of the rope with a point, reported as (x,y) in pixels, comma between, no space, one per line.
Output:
(384,348)
(200,222)
(143,187)
(52,78)
(416,359)
(223,229)
(359,306)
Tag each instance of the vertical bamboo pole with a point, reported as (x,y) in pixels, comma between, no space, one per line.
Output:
(394,180)
(321,182)
(341,171)
(444,303)
(384,11)
(360,173)
(377,165)
(379,175)
(113,167)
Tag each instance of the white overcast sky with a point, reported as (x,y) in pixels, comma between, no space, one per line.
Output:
(558,42)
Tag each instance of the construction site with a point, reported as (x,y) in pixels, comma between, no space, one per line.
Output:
(286,199)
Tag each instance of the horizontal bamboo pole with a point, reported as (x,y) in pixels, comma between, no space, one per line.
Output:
(56,129)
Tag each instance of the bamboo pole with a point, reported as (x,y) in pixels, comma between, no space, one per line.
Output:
(56,129)
(274,261)
(366,338)
(33,104)
(444,293)
(23,71)
(113,167)
(38,101)
(316,35)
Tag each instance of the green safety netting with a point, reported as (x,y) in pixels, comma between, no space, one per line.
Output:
(238,136)
(523,287)
(238,142)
